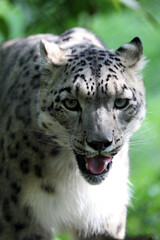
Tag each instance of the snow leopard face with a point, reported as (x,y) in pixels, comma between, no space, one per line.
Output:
(97,96)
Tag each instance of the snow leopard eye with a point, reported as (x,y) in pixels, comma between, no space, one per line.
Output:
(71,104)
(121,103)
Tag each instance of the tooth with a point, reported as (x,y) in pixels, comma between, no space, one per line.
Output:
(87,166)
(105,166)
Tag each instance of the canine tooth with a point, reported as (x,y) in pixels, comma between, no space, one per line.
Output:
(87,166)
(105,166)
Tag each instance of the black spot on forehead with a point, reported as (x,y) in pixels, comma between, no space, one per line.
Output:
(92,59)
(68,89)
(93,52)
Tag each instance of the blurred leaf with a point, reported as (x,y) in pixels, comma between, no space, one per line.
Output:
(62,237)
(131,4)
(4,28)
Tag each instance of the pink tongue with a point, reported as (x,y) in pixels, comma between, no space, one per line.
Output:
(96,164)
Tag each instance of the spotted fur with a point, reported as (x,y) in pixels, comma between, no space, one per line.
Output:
(62,100)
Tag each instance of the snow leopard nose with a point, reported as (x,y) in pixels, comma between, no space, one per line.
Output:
(99,146)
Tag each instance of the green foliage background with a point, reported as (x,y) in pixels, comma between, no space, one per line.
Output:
(116,22)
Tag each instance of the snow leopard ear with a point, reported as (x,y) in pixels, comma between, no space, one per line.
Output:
(132,54)
(52,53)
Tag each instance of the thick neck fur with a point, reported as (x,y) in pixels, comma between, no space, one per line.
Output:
(78,205)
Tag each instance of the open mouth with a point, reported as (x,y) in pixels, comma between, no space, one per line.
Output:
(94,169)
